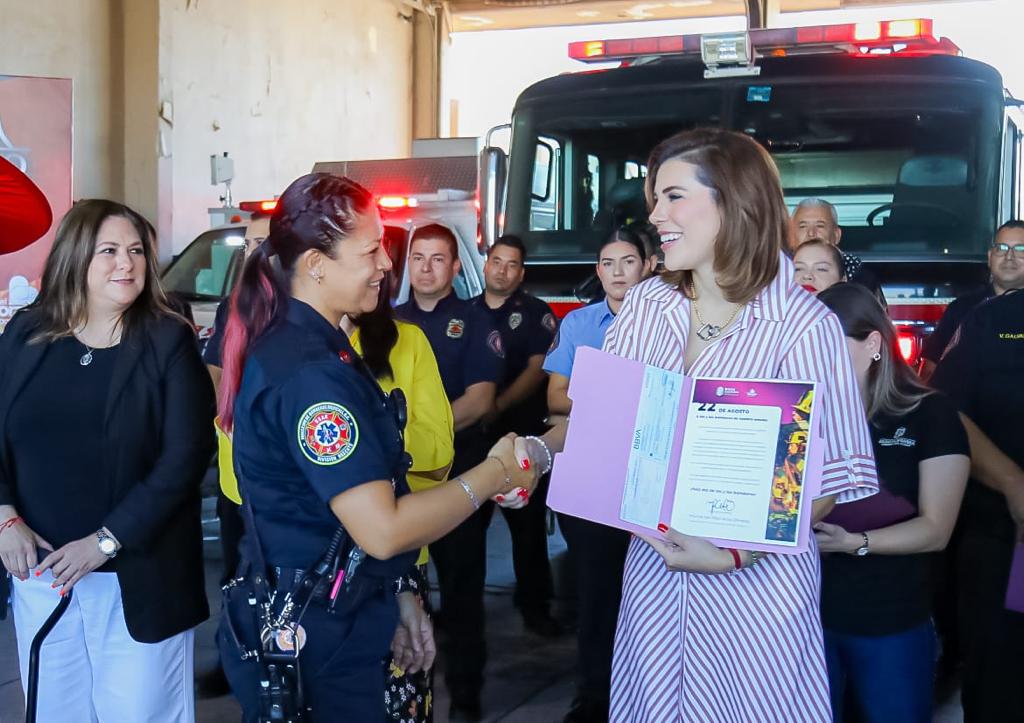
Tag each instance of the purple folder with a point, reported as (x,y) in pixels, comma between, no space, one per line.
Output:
(1015,590)
(588,476)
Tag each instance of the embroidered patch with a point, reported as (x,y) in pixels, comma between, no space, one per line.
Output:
(514,320)
(327,433)
(455,328)
(494,341)
(549,322)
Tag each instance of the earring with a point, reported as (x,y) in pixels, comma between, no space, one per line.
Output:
(316,278)
(876,356)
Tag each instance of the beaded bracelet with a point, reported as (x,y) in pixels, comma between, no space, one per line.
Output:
(469,493)
(547,452)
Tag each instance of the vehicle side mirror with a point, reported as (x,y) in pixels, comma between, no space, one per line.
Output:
(491,189)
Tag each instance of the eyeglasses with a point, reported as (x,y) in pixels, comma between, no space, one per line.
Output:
(1018,249)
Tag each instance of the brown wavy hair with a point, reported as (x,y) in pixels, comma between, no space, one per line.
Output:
(744,182)
(63,296)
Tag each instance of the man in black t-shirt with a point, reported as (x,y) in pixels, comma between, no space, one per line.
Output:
(1007,268)
(982,371)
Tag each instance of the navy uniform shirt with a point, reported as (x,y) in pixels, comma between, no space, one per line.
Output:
(527,327)
(955,313)
(467,346)
(981,372)
(309,425)
(214,345)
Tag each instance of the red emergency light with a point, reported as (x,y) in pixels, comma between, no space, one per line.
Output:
(393,202)
(258,206)
(888,37)
(909,346)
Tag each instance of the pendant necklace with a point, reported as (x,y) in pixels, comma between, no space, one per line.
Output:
(708,331)
(86,359)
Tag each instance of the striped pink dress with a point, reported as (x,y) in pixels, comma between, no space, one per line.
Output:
(744,647)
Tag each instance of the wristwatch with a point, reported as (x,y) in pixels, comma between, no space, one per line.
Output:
(865,548)
(106,544)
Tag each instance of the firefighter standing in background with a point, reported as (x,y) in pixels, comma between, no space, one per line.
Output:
(471,361)
(527,327)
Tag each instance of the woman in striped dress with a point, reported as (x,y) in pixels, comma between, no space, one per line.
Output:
(694,642)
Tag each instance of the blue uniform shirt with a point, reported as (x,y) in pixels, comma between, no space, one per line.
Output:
(309,425)
(527,327)
(467,346)
(580,327)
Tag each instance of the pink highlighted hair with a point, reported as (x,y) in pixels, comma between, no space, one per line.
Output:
(315,212)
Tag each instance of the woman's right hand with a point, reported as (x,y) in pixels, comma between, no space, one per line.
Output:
(18,545)
(521,477)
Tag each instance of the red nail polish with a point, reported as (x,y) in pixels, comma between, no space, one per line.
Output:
(38,573)
(53,586)
(662,527)
(500,498)
(526,464)
(62,593)
(524,494)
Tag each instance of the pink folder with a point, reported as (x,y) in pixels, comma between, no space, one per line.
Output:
(1015,589)
(587,479)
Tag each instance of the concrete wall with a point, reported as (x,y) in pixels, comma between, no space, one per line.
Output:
(278,85)
(73,39)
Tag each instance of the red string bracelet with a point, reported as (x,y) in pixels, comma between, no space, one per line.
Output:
(735,557)
(9,523)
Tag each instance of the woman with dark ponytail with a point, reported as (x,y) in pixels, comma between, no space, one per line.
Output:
(331,532)
(399,355)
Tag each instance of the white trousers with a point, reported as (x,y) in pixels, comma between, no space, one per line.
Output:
(91,670)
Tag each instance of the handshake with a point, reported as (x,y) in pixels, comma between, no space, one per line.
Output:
(523,461)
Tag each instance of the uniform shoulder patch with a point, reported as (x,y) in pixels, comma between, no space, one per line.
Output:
(549,322)
(327,433)
(494,342)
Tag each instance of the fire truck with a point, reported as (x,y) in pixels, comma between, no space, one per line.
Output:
(918,148)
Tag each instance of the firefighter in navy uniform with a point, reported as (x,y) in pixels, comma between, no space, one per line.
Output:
(527,327)
(983,372)
(471,361)
(330,530)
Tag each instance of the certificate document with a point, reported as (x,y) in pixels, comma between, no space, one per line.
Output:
(735,461)
(742,463)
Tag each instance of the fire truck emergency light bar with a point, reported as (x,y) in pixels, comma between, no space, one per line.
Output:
(903,37)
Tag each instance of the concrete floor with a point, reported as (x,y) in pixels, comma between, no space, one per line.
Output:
(529,679)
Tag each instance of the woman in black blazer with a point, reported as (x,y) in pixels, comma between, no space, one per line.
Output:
(106,415)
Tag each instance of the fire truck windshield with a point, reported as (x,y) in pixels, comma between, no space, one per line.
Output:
(911,167)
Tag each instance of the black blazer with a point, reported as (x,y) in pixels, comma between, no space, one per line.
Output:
(159,436)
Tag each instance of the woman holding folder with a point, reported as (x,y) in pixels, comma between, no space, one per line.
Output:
(876,592)
(708,633)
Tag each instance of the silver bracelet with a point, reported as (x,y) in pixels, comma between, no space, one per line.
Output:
(469,492)
(547,452)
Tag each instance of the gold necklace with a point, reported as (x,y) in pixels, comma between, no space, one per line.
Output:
(708,331)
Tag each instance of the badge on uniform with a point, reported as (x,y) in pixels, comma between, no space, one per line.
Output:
(327,433)
(514,320)
(455,328)
(549,322)
(494,342)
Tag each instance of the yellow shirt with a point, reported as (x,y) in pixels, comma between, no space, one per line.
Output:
(429,432)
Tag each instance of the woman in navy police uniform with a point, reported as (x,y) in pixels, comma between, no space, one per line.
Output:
(317,443)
